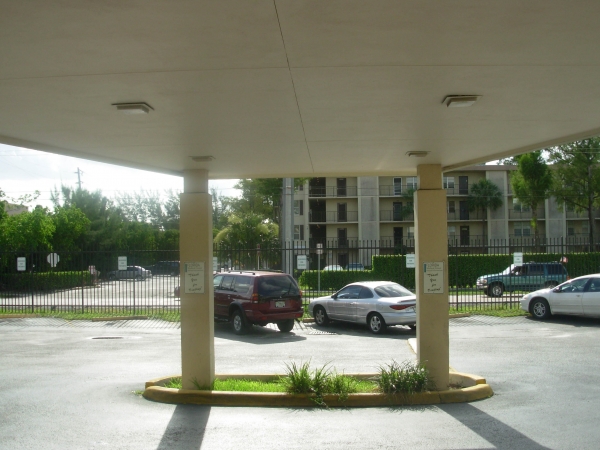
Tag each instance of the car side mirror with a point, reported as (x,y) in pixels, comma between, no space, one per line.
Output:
(557,289)
(334,296)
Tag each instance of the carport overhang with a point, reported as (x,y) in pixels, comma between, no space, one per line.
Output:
(298,88)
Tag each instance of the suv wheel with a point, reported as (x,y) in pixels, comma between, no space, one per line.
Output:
(238,321)
(496,290)
(285,326)
(540,309)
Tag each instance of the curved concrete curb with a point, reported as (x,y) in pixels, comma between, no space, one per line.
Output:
(472,388)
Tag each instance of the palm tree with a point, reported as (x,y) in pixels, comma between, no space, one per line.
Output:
(484,194)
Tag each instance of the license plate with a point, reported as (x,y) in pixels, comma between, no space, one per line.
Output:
(280,304)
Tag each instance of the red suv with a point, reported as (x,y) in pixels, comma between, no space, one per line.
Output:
(255,297)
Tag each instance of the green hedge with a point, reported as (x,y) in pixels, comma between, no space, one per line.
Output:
(463,270)
(45,281)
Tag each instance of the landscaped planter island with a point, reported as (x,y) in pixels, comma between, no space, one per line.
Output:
(464,388)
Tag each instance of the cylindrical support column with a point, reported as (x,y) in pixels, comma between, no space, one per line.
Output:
(196,287)
(431,249)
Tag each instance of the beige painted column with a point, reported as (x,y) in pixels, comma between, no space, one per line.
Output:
(197,309)
(431,248)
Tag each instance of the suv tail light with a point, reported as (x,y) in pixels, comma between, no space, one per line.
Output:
(255,297)
(400,307)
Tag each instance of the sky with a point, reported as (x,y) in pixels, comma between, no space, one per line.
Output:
(23,171)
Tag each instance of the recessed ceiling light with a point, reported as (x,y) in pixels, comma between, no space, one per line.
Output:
(460,101)
(417,154)
(134,108)
(202,158)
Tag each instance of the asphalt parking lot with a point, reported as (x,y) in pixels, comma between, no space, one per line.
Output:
(63,388)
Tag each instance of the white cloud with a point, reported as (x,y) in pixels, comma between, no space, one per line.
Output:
(23,171)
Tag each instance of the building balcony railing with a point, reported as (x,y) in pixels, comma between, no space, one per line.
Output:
(332,191)
(396,216)
(466,215)
(457,190)
(395,190)
(525,215)
(334,242)
(332,216)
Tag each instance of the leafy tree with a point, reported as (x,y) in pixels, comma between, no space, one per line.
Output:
(484,194)
(70,224)
(221,209)
(531,183)
(261,196)
(577,177)
(246,231)
(3,213)
(171,211)
(105,219)
(27,231)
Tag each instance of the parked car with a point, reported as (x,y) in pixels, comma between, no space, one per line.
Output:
(333,267)
(579,296)
(355,266)
(132,273)
(249,298)
(527,277)
(165,268)
(374,303)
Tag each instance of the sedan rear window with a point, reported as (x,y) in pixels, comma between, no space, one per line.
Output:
(277,286)
(392,290)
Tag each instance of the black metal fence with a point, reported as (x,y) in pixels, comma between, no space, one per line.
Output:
(83,282)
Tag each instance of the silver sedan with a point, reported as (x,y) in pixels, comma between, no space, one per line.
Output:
(374,303)
(579,296)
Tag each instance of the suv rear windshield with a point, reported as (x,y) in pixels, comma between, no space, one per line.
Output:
(277,286)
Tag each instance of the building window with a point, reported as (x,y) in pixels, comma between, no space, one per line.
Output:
(518,207)
(299,207)
(451,230)
(448,182)
(411,183)
(411,232)
(299,232)
(585,228)
(397,186)
(522,229)
(451,207)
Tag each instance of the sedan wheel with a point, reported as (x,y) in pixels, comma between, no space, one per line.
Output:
(321,318)
(376,323)
(540,309)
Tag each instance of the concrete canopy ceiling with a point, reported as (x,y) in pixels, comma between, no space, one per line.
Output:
(297,87)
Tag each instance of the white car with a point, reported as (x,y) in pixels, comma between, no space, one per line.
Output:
(579,296)
(333,267)
(377,304)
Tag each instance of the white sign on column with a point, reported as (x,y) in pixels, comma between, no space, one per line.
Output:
(433,277)
(122,261)
(21,263)
(194,277)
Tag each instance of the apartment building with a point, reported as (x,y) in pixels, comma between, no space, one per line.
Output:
(346,215)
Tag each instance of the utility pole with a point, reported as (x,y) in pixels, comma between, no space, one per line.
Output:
(79,172)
